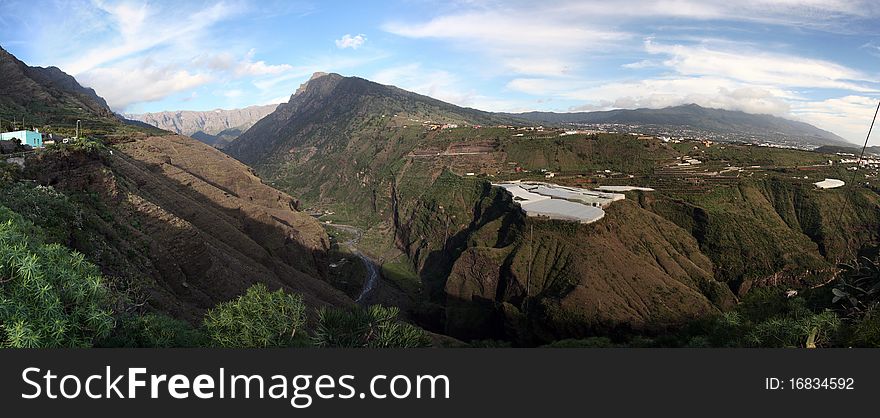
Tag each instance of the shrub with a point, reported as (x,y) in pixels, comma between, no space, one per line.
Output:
(865,331)
(766,318)
(858,287)
(154,330)
(807,330)
(46,207)
(50,296)
(259,318)
(373,327)
(591,342)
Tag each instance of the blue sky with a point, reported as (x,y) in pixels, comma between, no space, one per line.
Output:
(811,60)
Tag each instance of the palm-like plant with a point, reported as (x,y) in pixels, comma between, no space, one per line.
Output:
(258,318)
(374,327)
(49,295)
(859,285)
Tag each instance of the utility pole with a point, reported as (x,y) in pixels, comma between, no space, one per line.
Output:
(531,256)
(77,128)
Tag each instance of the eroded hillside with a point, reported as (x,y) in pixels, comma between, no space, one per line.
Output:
(189,225)
(506,276)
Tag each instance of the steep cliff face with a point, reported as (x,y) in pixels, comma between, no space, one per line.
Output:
(214,127)
(501,275)
(189,225)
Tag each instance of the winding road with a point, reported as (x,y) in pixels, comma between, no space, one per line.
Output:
(372,267)
(372,275)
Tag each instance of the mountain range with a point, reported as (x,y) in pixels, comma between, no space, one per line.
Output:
(734,123)
(215,127)
(412,174)
(220,127)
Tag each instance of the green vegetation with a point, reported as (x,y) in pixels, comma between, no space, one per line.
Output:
(50,296)
(859,287)
(845,313)
(373,327)
(258,318)
(749,155)
(154,330)
(403,276)
(53,211)
(586,153)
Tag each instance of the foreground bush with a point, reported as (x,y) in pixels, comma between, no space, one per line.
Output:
(259,318)
(373,327)
(154,330)
(50,296)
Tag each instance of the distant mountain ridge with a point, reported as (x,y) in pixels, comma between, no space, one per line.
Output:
(698,117)
(214,127)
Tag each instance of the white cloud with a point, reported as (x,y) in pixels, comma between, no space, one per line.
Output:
(226,62)
(441,85)
(828,15)
(707,91)
(554,37)
(353,42)
(289,80)
(848,116)
(142,27)
(137,81)
(277,100)
(873,48)
(146,51)
(759,67)
(194,95)
(508,32)
(729,76)
(524,42)
(641,64)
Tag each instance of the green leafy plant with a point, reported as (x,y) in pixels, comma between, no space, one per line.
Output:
(50,296)
(859,285)
(154,330)
(259,318)
(373,327)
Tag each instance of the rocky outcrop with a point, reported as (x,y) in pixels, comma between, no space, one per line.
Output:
(208,126)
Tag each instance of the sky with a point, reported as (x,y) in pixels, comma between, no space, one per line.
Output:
(817,61)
